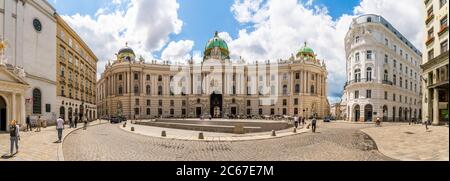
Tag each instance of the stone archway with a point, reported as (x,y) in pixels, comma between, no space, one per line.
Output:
(3,114)
(368,113)
(385,113)
(356,113)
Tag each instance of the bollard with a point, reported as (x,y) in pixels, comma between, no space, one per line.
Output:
(132,128)
(200,136)
(124,124)
(163,134)
(295,130)
(273,133)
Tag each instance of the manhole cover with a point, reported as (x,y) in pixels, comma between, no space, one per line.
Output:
(409,132)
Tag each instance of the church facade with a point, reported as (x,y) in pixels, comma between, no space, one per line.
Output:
(216,86)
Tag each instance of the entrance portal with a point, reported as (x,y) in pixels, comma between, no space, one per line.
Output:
(368,110)
(2,114)
(198,112)
(356,113)
(216,104)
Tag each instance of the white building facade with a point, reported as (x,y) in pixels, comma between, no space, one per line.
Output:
(28,27)
(383,73)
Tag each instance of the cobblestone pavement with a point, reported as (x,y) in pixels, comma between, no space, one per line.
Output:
(36,146)
(412,142)
(334,141)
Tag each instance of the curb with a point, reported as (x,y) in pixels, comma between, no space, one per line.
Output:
(379,149)
(182,139)
(60,146)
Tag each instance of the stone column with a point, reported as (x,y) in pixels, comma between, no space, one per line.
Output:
(22,108)
(436,107)
(13,106)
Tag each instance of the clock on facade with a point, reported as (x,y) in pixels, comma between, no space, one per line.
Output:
(37,25)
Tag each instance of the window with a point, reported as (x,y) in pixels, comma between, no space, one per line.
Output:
(394,97)
(160,90)
(358,75)
(136,76)
(297,76)
(284,111)
(356,94)
(285,76)
(149,102)
(70,57)
(357,39)
(183,112)
(136,89)
(400,98)
(160,111)
(401,67)
(148,111)
(401,52)
(368,94)
(62,52)
(249,111)
(312,90)
(386,75)
(136,111)
(401,82)
(296,101)
(137,102)
(395,63)
(63,69)
(295,111)
(160,103)
(444,23)
(120,90)
(297,88)
(430,34)
(159,78)
(172,103)
(272,77)
(120,77)
(395,48)
(285,90)
(249,103)
(369,74)
(386,59)
(386,42)
(284,102)
(357,57)
(260,111)
(406,84)
(430,54)
(148,77)
(444,46)
(62,90)
(385,95)
(369,19)
(183,103)
(148,90)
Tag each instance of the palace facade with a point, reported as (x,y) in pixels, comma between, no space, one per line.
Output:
(215,86)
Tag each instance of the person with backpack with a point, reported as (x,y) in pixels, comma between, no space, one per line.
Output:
(38,124)
(59,128)
(14,136)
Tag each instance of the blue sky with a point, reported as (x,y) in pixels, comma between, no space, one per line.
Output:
(201,18)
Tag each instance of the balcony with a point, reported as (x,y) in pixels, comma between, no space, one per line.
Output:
(387,82)
(429,18)
(429,40)
(443,30)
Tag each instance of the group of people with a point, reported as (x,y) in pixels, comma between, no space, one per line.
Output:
(301,120)
(14,130)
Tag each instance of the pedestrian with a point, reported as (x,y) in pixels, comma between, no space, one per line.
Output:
(75,122)
(59,128)
(28,122)
(314,124)
(296,121)
(85,123)
(38,124)
(378,122)
(426,123)
(14,137)
(70,122)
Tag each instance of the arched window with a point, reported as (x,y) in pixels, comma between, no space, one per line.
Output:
(357,39)
(285,89)
(395,79)
(401,82)
(358,75)
(312,89)
(148,90)
(369,74)
(369,19)
(37,101)
(159,78)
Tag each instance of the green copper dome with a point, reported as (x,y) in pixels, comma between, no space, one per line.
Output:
(305,51)
(214,42)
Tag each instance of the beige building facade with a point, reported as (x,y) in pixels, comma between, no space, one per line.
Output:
(435,62)
(76,67)
(214,86)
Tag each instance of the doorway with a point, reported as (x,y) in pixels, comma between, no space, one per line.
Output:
(198,112)
(368,110)
(356,113)
(2,114)
(216,103)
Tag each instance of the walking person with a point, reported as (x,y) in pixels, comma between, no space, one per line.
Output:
(85,123)
(425,121)
(75,122)
(70,122)
(28,122)
(38,124)
(59,128)
(296,121)
(14,137)
(314,124)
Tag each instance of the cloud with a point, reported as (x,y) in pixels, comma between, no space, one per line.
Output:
(145,25)
(178,51)
(281,27)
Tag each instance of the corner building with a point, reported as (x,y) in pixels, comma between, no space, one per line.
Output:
(383,73)
(216,86)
